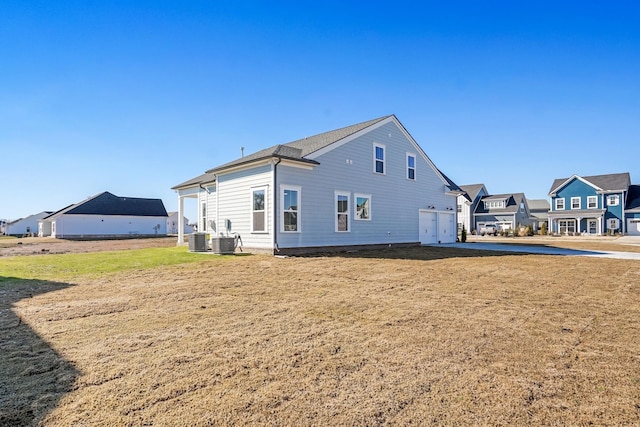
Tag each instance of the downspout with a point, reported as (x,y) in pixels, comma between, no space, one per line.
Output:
(275,205)
(215,177)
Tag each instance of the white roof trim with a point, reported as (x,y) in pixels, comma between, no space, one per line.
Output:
(590,184)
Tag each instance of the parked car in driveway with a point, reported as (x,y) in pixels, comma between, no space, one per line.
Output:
(489,229)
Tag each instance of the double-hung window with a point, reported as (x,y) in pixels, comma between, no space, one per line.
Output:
(342,212)
(592,202)
(379,158)
(203,215)
(575,203)
(613,200)
(560,204)
(411,167)
(259,210)
(290,199)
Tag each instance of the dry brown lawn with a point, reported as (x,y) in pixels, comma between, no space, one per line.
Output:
(422,336)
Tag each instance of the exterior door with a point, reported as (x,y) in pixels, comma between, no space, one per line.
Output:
(428,225)
(446,228)
(593,226)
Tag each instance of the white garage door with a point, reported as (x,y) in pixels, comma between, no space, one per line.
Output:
(446,228)
(428,224)
(633,226)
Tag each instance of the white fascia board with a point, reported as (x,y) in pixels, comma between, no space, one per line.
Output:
(320,152)
(299,165)
(590,184)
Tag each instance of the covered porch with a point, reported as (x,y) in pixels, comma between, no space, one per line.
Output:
(574,222)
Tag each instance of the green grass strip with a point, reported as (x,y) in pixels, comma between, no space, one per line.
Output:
(67,266)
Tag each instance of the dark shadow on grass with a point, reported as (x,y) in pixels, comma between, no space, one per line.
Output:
(33,376)
(424,253)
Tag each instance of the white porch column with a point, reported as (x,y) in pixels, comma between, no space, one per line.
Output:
(599,226)
(180,219)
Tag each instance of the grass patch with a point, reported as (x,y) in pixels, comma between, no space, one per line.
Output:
(63,267)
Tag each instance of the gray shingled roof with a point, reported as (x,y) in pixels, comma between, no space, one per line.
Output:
(512,205)
(108,204)
(472,190)
(538,205)
(610,182)
(299,149)
(633,199)
(201,179)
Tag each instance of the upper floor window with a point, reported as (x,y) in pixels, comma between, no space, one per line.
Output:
(378,158)
(411,167)
(459,208)
(613,200)
(494,204)
(560,204)
(575,203)
(592,202)
(521,207)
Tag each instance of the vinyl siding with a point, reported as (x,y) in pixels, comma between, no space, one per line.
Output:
(78,226)
(235,204)
(395,200)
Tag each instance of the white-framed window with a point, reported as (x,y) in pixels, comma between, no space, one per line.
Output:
(411,166)
(459,208)
(290,202)
(576,203)
(613,223)
(613,200)
(521,207)
(567,226)
(559,204)
(363,206)
(203,214)
(342,211)
(379,159)
(259,210)
(494,204)
(592,202)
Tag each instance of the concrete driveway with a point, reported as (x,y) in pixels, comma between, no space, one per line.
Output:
(544,250)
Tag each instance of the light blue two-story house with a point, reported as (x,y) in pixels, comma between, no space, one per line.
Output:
(589,204)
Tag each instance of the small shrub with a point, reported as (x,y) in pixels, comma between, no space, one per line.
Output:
(543,229)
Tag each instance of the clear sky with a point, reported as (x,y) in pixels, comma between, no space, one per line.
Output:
(134,97)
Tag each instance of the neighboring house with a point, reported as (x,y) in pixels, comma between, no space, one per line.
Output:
(467,203)
(362,185)
(105,216)
(589,205)
(539,209)
(25,226)
(172,223)
(632,210)
(507,211)
(3,223)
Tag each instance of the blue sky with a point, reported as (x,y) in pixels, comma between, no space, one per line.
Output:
(134,97)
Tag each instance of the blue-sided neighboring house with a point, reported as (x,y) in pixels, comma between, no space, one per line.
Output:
(506,211)
(632,210)
(589,205)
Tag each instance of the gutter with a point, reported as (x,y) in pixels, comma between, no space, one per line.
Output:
(275,205)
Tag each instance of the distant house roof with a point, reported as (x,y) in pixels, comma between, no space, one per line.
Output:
(610,182)
(108,204)
(633,199)
(453,187)
(472,190)
(511,206)
(39,215)
(541,205)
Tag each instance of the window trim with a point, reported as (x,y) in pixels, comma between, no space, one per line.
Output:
(283,188)
(415,161)
(375,159)
(203,213)
(556,204)
(610,197)
(579,200)
(592,198)
(355,206)
(337,194)
(264,188)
